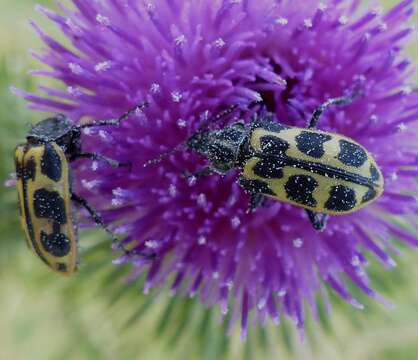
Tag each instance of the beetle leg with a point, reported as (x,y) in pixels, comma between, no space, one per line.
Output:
(256,200)
(94,215)
(318,221)
(115,122)
(94,156)
(98,220)
(201,173)
(344,100)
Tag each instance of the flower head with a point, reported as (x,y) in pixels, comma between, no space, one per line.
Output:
(190,60)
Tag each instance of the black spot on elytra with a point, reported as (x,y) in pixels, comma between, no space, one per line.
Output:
(49,205)
(299,188)
(61,267)
(351,154)
(56,244)
(272,126)
(312,144)
(369,195)
(269,168)
(256,186)
(19,170)
(51,163)
(272,145)
(29,170)
(342,198)
(374,173)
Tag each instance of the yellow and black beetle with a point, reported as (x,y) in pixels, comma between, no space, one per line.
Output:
(44,188)
(323,172)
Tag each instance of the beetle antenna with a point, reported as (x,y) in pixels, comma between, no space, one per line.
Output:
(115,122)
(222,114)
(164,155)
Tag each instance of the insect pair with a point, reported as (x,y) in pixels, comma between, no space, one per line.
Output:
(324,173)
(44,185)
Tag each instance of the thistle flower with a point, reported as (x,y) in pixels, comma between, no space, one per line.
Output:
(190,60)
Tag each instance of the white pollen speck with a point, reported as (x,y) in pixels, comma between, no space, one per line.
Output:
(90,184)
(73,26)
(201,240)
(322,6)
(204,115)
(281,21)
(281,293)
(117,191)
(191,181)
(258,97)
(235,222)
(172,190)
(151,244)
(94,165)
(394,176)
(116,202)
(235,1)
(402,127)
(367,36)
(215,275)
(307,23)
(261,304)
(181,123)
(180,40)
(383,26)
(406,90)
(75,68)
(176,96)
(103,66)
(201,200)
(103,20)
(224,309)
(297,243)
(155,88)
(356,304)
(392,262)
(103,134)
(219,43)
(343,20)
(74,91)
(355,261)
(374,119)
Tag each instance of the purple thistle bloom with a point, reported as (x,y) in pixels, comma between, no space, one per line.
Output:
(190,60)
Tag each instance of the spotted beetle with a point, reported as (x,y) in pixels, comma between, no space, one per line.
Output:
(45,190)
(323,172)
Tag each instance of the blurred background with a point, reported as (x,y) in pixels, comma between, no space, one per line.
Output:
(94,316)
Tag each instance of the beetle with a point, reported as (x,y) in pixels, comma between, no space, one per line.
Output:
(323,172)
(44,186)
